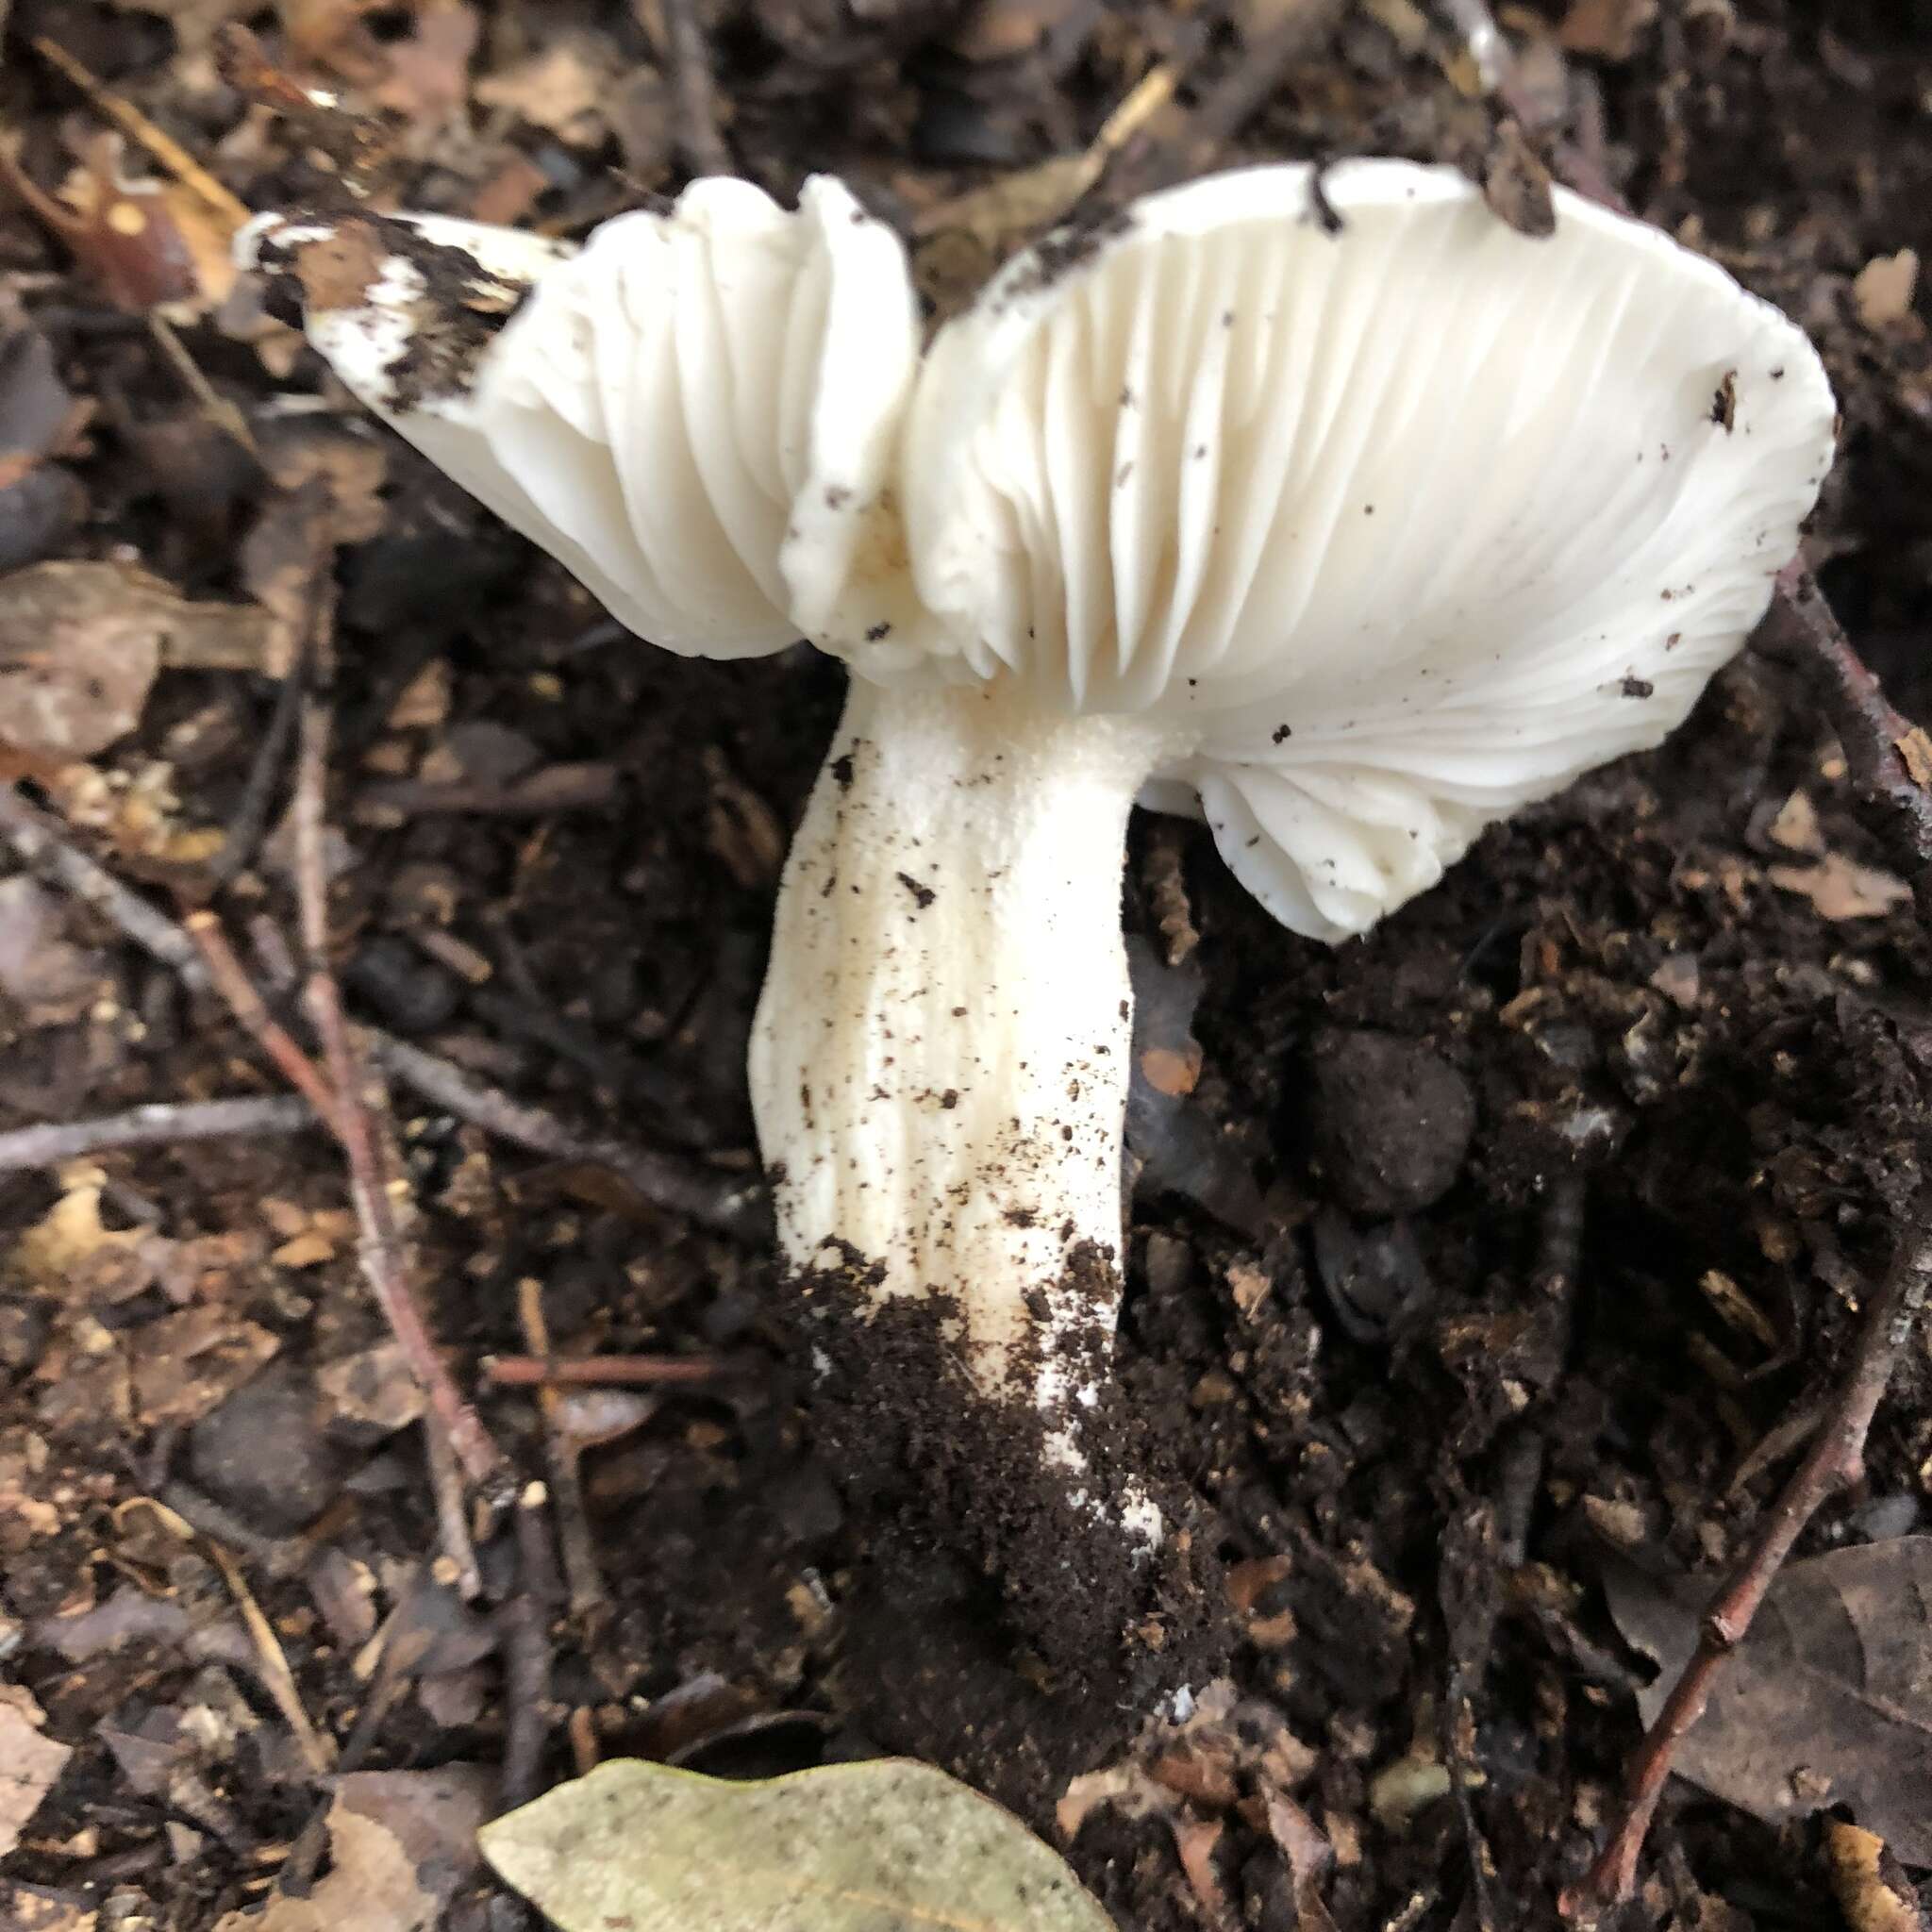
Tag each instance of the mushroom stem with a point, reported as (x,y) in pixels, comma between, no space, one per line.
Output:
(941,1059)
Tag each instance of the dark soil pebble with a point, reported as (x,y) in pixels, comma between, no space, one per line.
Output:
(1392,1121)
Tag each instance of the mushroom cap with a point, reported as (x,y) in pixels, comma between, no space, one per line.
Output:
(696,412)
(1406,526)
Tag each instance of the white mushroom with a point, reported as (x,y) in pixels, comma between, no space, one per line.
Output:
(697,411)
(1369,538)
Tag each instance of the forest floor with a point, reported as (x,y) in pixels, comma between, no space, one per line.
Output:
(1472,1437)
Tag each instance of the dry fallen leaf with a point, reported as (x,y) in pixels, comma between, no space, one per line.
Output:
(80,645)
(1915,753)
(428,80)
(29,1762)
(1840,888)
(1873,1891)
(1311,1859)
(1796,827)
(195,22)
(1827,1703)
(40,1909)
(401,1843)
(845,1848)
(52,981)
(70,1253)
(374,1388)
(186,1365)
(1610,29)
(1883,289)
(562,88)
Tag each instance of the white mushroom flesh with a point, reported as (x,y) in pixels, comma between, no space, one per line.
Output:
(698,412)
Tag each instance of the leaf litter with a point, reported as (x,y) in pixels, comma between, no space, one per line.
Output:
(1826,1704)
(844,1848)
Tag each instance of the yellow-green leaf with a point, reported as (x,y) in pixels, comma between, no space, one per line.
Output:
(886,1846)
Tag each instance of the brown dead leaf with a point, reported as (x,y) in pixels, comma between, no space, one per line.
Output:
(81,642)
(195,22)
(38,1909)
(1883,289)
(1195,1840)
(401,1843)
(428,79)
(1125,1788)
(510,194)
(69,1252)
(1915,753)
(1827,1702)
(562,88)
(1873,1891)
(1796,827)
(1609,30)
(374,1388)
(52,981)
(186,1365)
(1840,888)
(1309,1857)
(29,1762)
(331,34)
(342,469)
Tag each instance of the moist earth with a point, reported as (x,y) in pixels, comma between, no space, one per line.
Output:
(1551,1293)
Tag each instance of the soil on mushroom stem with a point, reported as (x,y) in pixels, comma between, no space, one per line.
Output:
(1667,975)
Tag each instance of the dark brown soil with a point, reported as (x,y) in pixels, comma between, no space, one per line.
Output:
(1414,1318)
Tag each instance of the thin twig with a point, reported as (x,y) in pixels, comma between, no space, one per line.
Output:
(589,1599)
(1889,757)
(602,1371)
(731,1204)
(37,837)
(384,1264)
(1837,1458)
(138,128)
(1183,142)
(158,1125)
(249,820)
(224,415)
(694,96)
(525,1623)
(230,979)
(452,1517)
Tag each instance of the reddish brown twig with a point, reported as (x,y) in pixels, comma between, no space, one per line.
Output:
(1836,1457)
(589,1599)
(385,1264)
(732,1204)
(600,1371)
(158,1124)
(1889,757)
(229,979)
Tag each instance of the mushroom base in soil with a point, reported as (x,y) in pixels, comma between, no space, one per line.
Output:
(1366,537)
(943,1052)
